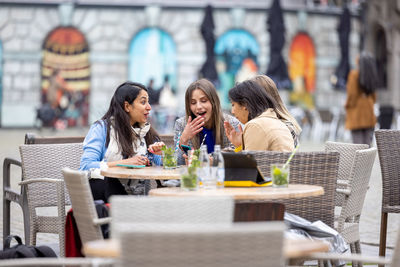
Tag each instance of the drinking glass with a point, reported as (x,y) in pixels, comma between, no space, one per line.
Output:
(169,156)
(189,179)
(280,175)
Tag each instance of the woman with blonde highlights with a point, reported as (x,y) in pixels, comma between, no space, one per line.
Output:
(281,111)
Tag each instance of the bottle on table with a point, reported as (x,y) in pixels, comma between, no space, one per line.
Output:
(218,167)
(203,172)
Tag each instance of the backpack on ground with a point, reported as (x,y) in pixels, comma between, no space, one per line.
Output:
(24,251)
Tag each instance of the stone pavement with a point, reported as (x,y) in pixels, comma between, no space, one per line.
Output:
(370,219)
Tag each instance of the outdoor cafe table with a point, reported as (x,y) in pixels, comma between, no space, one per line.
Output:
(247,193)
(148,173)
(293,248)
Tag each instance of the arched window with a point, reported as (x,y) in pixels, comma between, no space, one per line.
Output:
(236,59)
(302,63)
(152,55)
(66,76)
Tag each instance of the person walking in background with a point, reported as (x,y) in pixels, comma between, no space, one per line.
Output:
(281,111)
(204,119)
(55,101)
(361,96)
(154,95)
(121,136)
(253,106)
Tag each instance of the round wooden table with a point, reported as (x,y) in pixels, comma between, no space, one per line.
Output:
(247,193)
(148,173)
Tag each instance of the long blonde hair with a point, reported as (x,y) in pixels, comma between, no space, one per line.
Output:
(281,111)
(217,118)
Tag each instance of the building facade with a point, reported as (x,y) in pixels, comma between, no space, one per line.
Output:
(111,28)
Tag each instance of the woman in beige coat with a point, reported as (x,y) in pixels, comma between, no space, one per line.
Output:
(263,130)
(361,85)
(281,111)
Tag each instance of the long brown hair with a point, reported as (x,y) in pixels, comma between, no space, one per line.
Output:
(217,118)
(281,111)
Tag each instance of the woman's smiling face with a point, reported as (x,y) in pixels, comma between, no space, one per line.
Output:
(139,109)
(201,106)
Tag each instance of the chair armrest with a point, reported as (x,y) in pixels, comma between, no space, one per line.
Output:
(346,192)
(41,180)
(349,257)
(101,221)
(7,163)
(342,182)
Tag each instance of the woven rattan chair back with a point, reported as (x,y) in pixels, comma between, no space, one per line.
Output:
(168,139)
(315,168)
(349,218)
(127,210)
(238,245)
(83,206)
(41,162)
(388,143)
(346,158)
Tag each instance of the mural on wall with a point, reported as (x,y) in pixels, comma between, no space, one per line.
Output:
(302,70)
(152,62)
(152,55)
(65,79)
(236,53)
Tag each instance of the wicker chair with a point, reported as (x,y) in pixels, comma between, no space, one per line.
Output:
(169,210)
(11,195)
(238,245)
(348,222)
(168,139)
(316,168)
(43,180)
(371,260)
(388,143)
(83,206)
(346,158)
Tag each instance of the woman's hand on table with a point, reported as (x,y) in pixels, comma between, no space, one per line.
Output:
(234,137)
(156,148)
(192,128)
(137,160)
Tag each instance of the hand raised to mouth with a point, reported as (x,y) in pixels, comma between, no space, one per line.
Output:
(192,128)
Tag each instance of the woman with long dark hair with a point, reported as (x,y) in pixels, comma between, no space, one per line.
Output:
(361,97)
(253,106)
(121,136)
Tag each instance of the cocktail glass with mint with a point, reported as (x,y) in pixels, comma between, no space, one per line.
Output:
(280,175)
(169,157)
(189,179)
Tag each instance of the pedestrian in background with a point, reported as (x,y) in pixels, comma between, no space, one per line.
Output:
(361,97)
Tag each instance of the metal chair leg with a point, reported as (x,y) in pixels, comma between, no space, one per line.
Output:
(6,218)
